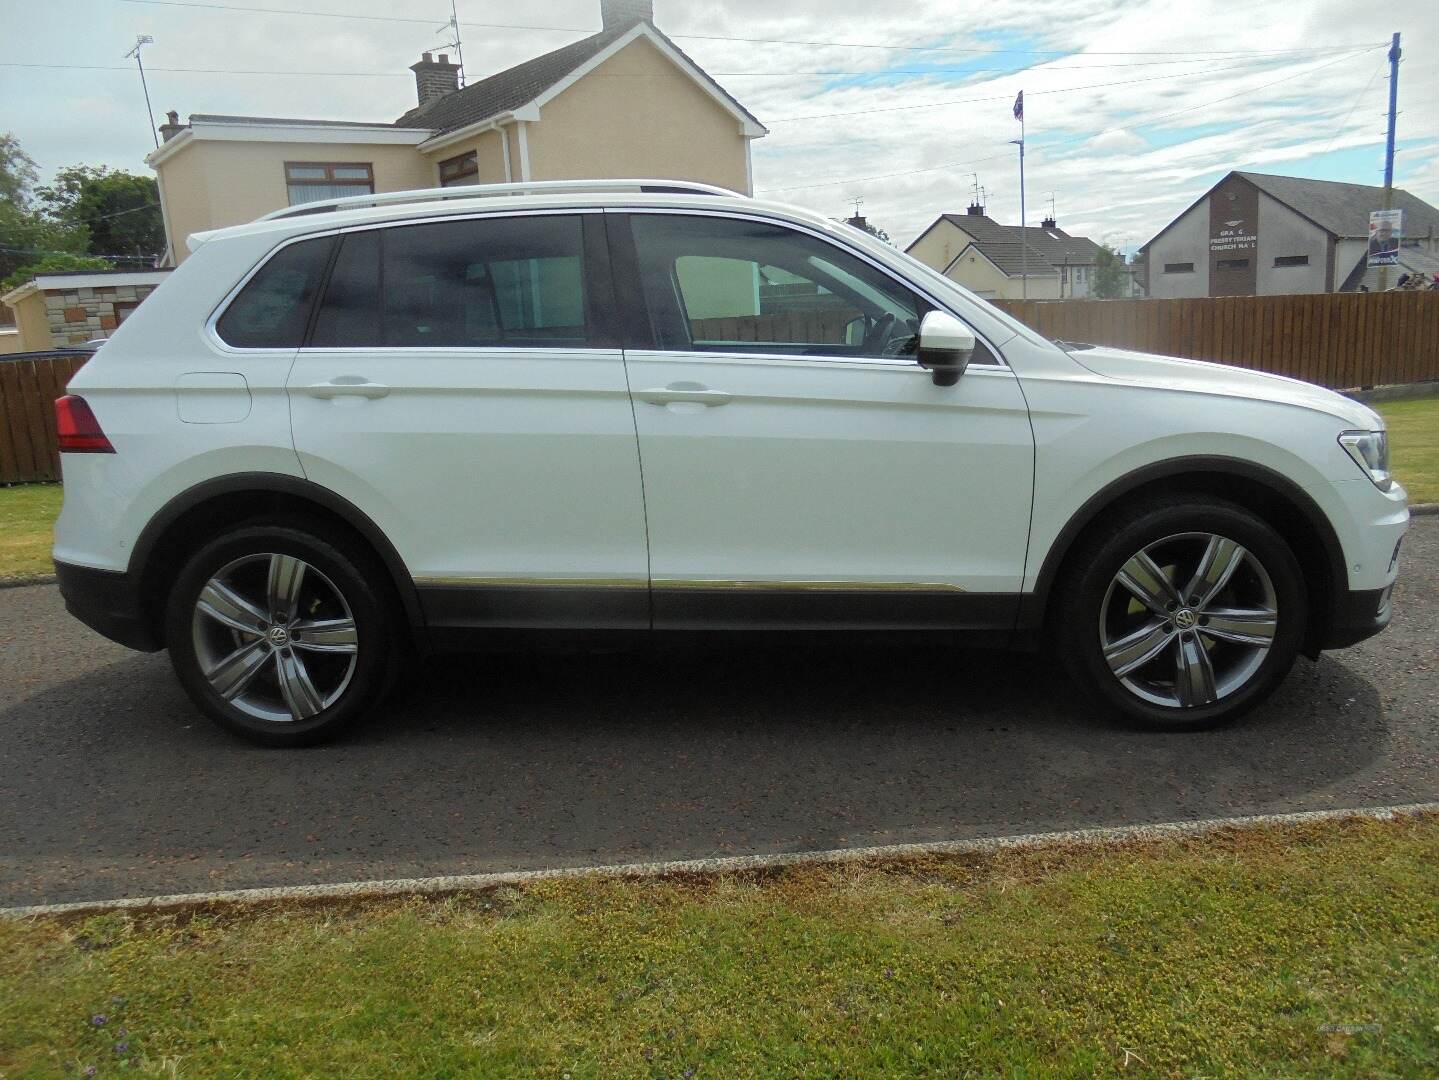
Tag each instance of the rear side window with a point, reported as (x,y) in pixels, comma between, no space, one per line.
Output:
(515,282)
(273,308)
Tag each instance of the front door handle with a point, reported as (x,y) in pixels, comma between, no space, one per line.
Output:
(347,386)
(694,393)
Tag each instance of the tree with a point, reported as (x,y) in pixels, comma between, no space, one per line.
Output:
(26,235)
(1111,276)
(120,210)
(17,172)
(47,264)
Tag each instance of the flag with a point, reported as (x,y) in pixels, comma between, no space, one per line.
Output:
(1019,106)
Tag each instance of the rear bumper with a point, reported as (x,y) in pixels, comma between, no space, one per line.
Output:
(108,602)
(1358,615)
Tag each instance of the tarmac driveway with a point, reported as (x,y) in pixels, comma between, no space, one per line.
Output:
(111,784)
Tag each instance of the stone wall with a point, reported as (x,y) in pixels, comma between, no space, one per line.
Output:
(78,315)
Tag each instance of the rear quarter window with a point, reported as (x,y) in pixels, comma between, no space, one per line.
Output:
(273,309)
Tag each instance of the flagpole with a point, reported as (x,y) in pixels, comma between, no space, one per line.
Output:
(1023,243)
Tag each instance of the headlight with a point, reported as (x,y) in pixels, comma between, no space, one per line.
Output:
(1370,451)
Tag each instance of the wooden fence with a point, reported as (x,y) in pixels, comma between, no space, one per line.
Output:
(28,389)
(1339,340)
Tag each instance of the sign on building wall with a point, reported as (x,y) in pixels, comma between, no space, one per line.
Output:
(1234,234)
(1386,229)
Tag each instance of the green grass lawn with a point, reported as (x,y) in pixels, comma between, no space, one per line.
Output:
(1414,445)
(27,516)
(1299,952)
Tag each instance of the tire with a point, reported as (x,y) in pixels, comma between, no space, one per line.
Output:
(281,632)
(1141,645)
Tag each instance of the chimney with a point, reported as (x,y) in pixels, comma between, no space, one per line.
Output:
(171,127)
(1048,223)
(435,78)
(974,209)
(622,14)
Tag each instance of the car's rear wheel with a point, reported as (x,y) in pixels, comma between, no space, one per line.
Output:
(1184,616)
(281,633)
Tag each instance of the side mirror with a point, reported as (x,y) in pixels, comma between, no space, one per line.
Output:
(945,347)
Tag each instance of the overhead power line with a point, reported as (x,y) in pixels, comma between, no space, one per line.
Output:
(861,73)
(726,37)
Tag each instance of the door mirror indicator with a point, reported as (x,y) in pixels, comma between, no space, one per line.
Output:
(945,347)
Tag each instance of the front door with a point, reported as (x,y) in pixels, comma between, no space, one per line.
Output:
(800,469)
(461,386)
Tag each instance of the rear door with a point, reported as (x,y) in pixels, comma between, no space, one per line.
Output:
(800,469)
(462,386)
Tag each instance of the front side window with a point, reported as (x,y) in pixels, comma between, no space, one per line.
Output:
(727,285)
(312,181)
(274,306)
(515,282)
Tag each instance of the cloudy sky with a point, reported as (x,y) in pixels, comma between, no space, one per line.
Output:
(1134,107)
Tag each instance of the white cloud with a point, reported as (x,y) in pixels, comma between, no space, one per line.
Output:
(1113,168)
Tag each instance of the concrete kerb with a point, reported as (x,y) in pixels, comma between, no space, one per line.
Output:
(431,886)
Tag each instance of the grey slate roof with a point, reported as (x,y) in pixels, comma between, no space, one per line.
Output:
(1343,209)
(1047,249)
(508,90)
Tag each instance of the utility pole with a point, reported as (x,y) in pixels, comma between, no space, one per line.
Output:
(1394,53)
(145,39)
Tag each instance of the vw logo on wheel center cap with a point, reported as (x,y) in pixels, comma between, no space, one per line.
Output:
(1184,619)
(279,636)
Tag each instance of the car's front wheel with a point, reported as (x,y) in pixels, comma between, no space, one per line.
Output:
(1184,616)
(279,633)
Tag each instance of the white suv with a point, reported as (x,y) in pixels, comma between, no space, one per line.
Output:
(416,421)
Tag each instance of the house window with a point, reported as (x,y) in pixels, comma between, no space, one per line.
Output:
(1179,268)
(1232,264)
(312,181)
(464,169)
(1291,260)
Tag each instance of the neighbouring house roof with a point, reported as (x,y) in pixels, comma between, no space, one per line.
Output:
(1343,209)
(521,85)
(1015,250)
(1340,209)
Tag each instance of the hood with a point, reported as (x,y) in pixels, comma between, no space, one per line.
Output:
(1202,377)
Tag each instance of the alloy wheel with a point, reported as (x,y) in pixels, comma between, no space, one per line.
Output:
(1188,620)
(275,637)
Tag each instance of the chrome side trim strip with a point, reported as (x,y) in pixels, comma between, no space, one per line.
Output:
(710,584)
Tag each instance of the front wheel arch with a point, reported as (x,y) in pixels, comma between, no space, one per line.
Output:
(1280,502)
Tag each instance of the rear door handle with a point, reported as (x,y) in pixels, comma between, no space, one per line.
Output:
(683,392)
(346,386)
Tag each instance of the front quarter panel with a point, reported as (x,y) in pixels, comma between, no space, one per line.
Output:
(1092,432)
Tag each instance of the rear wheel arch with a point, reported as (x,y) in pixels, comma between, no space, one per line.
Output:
(197,515)
(1284,505)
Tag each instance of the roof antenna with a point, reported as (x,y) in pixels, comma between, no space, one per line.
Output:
(858,201)
(1052,216)
(974,188)
(140,42)
(453,26)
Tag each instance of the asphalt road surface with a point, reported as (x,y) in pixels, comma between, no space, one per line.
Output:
(112,785)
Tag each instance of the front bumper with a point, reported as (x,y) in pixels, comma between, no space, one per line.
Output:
(1357,615)
(108,602)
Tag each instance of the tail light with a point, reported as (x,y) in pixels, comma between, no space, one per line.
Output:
(78,429)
